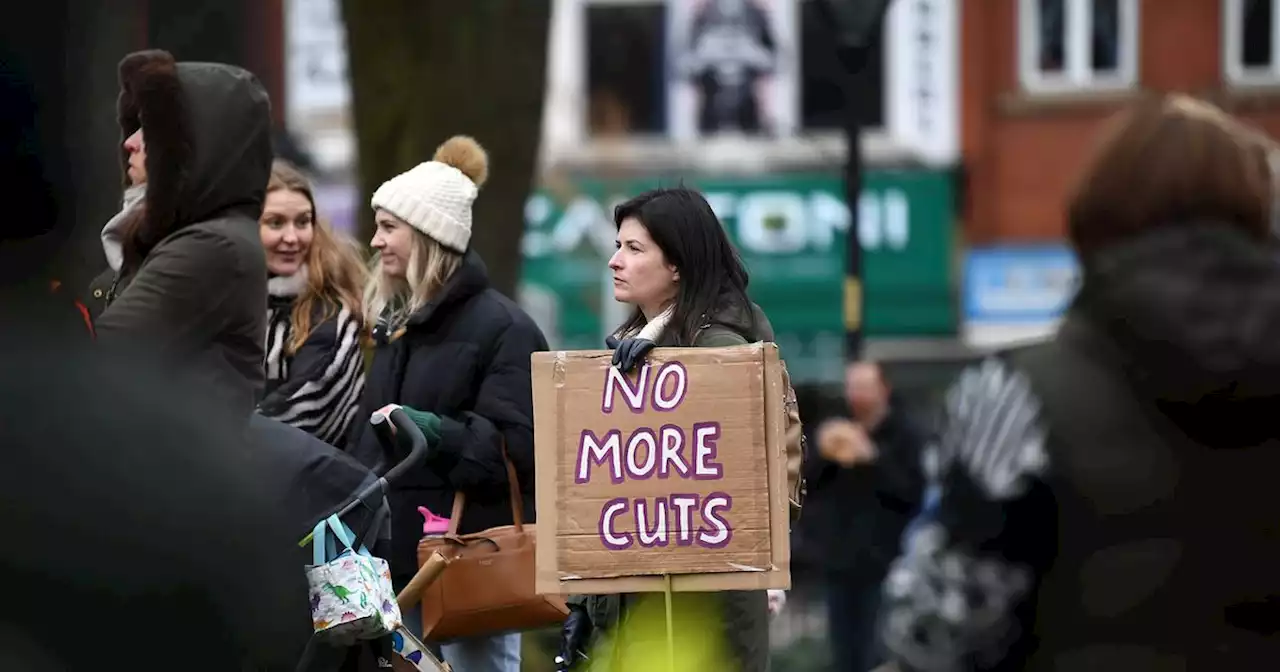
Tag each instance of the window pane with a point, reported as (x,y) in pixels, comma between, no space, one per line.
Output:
(625,84)
(822,100)
(1256,33)
(1053,35)
(1105,56)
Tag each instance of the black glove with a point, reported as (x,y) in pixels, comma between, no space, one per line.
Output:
(573,638)
(628,352)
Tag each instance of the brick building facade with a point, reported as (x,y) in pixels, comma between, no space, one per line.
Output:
(1038,77)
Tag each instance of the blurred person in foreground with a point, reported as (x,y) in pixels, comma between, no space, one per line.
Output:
(191,292)
(1107,497)
(133,540)
(139,535)
(865,484)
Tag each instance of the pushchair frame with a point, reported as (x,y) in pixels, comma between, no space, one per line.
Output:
(393,428)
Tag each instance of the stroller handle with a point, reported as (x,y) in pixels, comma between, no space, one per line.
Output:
(392,425)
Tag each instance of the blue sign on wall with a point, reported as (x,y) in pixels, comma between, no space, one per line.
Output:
(1016,285)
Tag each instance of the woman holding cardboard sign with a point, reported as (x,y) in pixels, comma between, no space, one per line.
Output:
(688,286)
(455,354)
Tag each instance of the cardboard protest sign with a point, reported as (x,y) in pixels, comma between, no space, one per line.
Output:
(678,470)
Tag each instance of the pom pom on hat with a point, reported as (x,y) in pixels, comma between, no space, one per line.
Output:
(465,154)
(435,197)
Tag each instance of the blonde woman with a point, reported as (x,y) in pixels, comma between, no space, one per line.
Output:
(455,353)
(314,365)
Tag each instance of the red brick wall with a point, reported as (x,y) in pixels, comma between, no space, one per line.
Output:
(1023,152)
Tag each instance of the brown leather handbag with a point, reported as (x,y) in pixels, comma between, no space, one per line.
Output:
(488,587)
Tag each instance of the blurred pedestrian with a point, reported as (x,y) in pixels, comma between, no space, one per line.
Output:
(315,327)
(139,534)
(191,292)
(1106,497)
(134,539)
(865,486)
(455,353)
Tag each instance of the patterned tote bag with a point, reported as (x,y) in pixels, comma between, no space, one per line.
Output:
(351,594)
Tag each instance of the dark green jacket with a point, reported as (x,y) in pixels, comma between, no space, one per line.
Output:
(195,304)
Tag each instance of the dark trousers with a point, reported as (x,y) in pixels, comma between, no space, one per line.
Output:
(853,625)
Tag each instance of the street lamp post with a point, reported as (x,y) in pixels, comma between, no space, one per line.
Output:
(858,27)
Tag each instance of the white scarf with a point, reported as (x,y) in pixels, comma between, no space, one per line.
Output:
(652,330)
(288,285)
(112,235)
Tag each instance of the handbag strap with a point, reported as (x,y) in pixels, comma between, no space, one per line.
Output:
(341,532)
(369,536)
(517,502)
(321,539)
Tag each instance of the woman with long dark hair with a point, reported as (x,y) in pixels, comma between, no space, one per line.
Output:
(688,287)
(684,279)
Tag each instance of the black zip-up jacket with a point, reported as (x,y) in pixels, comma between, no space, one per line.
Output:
(464,357)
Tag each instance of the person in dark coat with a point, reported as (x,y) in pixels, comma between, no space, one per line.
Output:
(1108,496)
(125,501)
(192,287)
(134,539)
(676,266)
(455,353)
(865,485)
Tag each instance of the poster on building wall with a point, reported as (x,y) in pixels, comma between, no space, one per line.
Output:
(733,68)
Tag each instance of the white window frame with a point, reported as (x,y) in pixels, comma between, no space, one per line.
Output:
(567,138)
(1078,75)
(1234,70)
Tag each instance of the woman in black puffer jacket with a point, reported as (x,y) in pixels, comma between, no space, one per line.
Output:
(455,353)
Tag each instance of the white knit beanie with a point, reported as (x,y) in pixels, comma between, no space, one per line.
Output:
(435,197)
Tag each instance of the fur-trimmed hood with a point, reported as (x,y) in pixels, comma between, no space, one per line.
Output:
(207,128)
